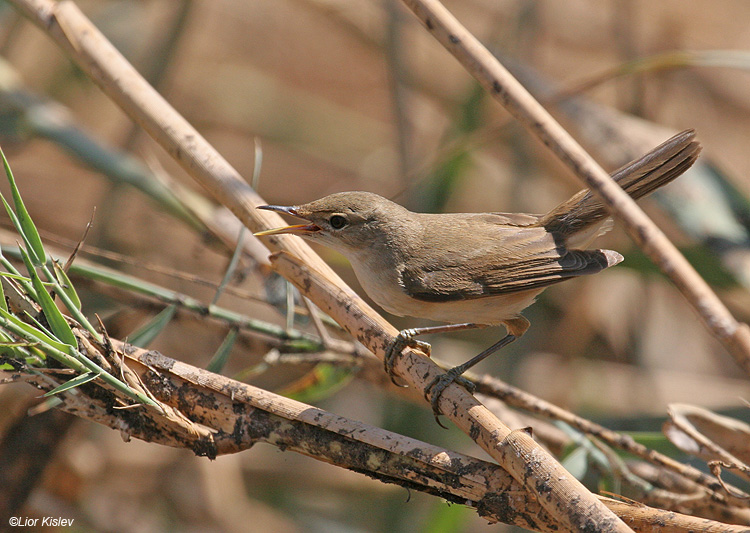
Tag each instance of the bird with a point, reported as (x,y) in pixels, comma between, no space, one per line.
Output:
(473,270)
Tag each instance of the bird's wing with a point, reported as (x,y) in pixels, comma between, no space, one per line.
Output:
(518,259)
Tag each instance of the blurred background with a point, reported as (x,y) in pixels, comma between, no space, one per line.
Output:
(355,95)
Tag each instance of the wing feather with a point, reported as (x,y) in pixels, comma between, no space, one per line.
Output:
(467,281)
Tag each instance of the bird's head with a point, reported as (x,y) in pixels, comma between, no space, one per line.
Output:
(348,222)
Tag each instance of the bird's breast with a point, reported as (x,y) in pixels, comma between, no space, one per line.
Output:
(382,283)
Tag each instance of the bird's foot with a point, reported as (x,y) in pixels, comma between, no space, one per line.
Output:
(435,389)
(403,339)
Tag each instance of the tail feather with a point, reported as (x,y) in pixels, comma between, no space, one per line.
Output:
(639,178)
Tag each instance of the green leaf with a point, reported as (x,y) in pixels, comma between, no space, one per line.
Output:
(66,285)
(75,382)
(17,277)
(219,360)
(323,381)
(27,228)
(11,214)
(55,318)
(446,519)
(577,463)
(144,335)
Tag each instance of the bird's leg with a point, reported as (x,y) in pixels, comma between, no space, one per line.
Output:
(438,385)
(406,338)
(516,327)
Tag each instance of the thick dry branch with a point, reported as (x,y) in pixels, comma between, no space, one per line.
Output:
(211,414)
(642,518)
(242,415)
(480,63)
(218,415)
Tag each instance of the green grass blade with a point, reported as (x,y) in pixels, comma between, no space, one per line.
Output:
(37,335)
(220,358)
(55,318)
(144,335)
(12,215)
(66,285)
(27,228)
(75,382)
(17,277)
(3,303)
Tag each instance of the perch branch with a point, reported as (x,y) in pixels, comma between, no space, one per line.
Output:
(212,414)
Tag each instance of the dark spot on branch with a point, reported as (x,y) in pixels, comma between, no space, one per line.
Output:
(453,39)
(204,447)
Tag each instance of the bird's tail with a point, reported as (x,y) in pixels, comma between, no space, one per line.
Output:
(638,178)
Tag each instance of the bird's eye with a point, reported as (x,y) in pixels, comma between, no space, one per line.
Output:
(338,221)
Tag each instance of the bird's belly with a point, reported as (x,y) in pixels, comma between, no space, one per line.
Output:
(490,310)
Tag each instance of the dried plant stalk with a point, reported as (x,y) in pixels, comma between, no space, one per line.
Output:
(213,415)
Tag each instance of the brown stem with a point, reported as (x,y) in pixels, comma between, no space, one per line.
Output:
(479,62)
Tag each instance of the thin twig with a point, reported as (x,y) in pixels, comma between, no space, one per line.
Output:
(520,399)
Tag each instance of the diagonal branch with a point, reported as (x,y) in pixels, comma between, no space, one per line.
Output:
(520,399)
(493,76)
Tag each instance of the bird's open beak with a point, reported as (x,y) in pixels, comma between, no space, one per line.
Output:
(298,229)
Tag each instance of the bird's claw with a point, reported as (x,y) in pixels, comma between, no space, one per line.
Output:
(435,389)
(403,339)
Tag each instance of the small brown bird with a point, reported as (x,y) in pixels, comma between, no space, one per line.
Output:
(473,269)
